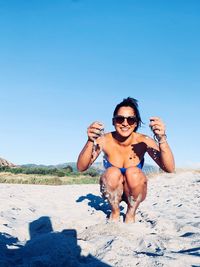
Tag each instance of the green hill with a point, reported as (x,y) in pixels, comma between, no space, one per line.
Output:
(148,169)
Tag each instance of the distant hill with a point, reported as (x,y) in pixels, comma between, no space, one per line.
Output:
(51,166)
(148,169)
(96,165)
(6,163)
(58,166)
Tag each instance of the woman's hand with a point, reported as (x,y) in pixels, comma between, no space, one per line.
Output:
(95,130)
(158,128)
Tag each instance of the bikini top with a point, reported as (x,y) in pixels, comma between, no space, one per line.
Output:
(107,164)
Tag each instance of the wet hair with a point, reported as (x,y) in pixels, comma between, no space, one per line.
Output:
(133,103)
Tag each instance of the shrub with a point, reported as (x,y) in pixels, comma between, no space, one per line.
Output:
(68,169)
(91,172)
(60,174)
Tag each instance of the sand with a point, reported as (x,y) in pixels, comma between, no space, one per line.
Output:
(57,226)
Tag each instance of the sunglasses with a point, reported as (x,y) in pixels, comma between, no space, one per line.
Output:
(120,119)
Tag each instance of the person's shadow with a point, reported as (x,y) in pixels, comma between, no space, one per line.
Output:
(98,203)
(8,255)
(45,248)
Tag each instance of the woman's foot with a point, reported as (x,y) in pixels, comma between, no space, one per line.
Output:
(130,217)
(114,216)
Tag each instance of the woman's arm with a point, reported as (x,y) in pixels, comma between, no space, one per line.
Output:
(160,152)
(91,150)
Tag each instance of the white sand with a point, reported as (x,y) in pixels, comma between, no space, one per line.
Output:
(57,226)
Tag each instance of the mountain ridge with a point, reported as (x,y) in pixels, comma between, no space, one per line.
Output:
(96,165)
(6,163)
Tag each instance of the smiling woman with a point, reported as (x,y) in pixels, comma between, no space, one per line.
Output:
(124,150)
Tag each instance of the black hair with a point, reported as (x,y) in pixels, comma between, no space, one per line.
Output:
(133,103)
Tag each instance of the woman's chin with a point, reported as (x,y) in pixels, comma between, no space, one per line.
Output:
(124,134)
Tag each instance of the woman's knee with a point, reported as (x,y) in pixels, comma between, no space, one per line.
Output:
(112,177)
(134,176)
(133,171)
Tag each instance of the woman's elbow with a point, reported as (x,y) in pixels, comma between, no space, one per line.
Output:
(80,168)
(170,169)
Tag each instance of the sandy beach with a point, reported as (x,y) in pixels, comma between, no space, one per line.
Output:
(67,225)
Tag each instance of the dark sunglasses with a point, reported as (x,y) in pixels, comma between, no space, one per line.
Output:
(120,119)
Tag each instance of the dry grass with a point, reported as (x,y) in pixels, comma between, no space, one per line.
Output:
(6,177)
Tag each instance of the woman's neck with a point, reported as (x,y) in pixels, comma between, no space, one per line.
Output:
(124,141)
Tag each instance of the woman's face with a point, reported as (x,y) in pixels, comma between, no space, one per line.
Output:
(125,121)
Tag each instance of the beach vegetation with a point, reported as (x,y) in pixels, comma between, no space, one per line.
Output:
(55,175)
(47,176)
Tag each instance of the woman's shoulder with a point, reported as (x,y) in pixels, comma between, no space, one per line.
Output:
(143,138)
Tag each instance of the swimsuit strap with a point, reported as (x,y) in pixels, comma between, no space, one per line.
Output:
(141,164)
(106,163)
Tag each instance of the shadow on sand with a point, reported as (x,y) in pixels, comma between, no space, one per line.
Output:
(45,248)
(98,203)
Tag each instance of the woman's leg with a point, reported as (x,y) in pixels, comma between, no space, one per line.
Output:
(135,190)
(111,186)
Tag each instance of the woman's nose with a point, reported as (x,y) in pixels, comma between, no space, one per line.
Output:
(125,122)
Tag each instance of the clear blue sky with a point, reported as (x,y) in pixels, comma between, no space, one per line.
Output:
(64,64)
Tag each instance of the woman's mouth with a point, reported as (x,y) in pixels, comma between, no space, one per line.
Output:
(124,129)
